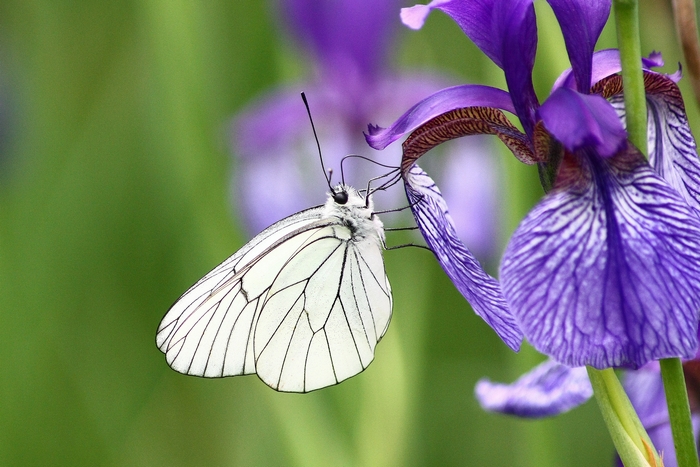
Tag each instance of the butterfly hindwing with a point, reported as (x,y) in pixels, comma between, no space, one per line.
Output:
(322,329)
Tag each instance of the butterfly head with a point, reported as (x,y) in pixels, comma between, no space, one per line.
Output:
(340,195)
(355,211)
(345,197)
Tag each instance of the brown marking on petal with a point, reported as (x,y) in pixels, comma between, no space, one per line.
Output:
(550,152)
(572,173)
(608,87)
(464,122)
(654,83)
(575,170)
(627,159)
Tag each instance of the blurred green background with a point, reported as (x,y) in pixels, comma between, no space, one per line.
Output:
(114,198)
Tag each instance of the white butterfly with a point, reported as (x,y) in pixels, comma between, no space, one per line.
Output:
(303,304)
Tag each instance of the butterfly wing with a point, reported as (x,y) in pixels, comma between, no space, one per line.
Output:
(207,331)
(324,313)
(303,304)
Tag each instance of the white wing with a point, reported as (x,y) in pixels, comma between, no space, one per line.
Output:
(303,305)
(217,309)
(324,313)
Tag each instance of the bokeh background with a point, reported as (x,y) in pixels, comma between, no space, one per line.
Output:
(115,172)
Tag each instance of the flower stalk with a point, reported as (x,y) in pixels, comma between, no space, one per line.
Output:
(629,436)
(679,412)
(627,23)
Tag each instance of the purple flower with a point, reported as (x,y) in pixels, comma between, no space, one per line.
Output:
(278,171)
(551,389)
(605,270)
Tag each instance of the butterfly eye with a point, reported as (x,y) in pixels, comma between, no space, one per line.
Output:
(340,197)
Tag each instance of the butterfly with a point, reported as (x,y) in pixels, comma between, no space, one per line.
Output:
(303,304)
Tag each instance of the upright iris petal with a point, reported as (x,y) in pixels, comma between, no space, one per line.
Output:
(605,270)
(580,36)
(579,120)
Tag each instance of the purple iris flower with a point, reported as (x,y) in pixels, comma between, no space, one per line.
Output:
(278,172)
(551,388)
(605,270)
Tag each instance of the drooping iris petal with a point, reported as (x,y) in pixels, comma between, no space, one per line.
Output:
(581,24)
(548,389)
(506,31)
(481,290)
(605,270)
(672,150)
(468,95)
(465,122)
(579,120)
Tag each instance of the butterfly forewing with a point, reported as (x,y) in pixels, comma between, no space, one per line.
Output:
(218,312)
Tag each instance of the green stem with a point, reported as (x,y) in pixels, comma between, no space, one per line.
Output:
(631,440)
(618,401)
(627,22)
(679,412)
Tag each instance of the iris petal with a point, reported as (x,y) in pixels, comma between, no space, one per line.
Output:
(580,120)
(506,31)
(481,290)
(484,22)
(581,24)
(548,389)
(346,36)
(605,63)
(468,95)
(605,270)
(672,150)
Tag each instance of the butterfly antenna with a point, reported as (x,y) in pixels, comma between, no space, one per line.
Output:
(357,156)
(318,145)
(410,205)
(368,191)
(395,177)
